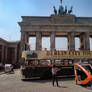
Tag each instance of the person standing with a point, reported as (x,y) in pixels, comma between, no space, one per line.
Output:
(54,75)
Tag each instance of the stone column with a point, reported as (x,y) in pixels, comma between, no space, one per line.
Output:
(84,41)
(2,53)
(38,41)
(24,40)
(15,55)
(71,41)
(87,41)
(6,54)
(27,38)
(52,41)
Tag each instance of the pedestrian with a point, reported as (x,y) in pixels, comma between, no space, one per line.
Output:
(54,75)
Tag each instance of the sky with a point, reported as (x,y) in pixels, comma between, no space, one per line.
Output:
(12,10)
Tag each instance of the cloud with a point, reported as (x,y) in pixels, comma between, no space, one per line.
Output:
(4,34)
(1,30)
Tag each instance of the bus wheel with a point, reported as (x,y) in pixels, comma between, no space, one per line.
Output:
(23,79)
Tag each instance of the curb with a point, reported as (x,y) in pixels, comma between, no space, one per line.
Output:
(2,73)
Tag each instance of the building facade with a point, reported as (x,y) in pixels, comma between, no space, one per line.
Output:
(9,52)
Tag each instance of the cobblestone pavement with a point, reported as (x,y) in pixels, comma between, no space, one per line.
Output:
(13,83)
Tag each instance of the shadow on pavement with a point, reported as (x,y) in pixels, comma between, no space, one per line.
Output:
(86,87)
(2,72)
(46,80)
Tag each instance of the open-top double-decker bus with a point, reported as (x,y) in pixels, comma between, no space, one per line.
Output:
(36,64)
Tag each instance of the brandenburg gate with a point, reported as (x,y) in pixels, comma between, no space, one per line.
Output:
(68,26)
(59,24)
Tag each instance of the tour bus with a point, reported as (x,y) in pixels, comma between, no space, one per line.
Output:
(38,64)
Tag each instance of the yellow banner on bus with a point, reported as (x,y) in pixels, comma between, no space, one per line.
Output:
(57,54)
(65,54)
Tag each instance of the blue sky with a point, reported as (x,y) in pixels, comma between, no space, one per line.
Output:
(12,10)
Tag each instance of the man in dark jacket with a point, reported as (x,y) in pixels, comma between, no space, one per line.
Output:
(54,75)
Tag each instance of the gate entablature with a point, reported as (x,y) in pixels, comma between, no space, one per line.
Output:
(56,23)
